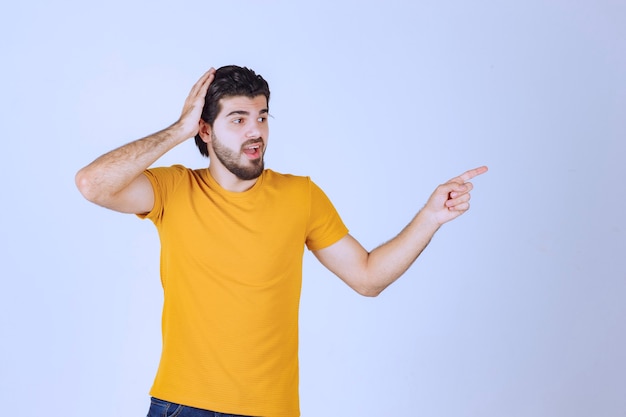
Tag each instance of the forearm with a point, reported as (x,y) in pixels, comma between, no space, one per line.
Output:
(369,273)
(389,261)
(115,170)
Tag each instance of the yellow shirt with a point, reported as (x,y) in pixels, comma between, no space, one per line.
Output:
(231,270)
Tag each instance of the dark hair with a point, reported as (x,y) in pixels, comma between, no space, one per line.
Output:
(230,81)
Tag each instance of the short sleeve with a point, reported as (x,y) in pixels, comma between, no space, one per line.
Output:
(164,182)
(325,226)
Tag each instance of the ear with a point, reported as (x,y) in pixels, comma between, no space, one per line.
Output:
(204,130)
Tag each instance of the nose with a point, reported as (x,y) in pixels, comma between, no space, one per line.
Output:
(254,130)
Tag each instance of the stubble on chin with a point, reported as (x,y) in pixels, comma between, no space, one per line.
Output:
(245,171)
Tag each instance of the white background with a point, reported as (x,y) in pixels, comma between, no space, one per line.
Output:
(518,308)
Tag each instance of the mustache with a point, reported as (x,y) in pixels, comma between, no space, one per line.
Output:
(253,142)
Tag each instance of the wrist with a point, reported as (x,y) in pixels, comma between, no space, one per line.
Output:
(180,132)
(429,219)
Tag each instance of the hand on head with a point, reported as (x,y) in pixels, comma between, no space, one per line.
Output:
(192,109)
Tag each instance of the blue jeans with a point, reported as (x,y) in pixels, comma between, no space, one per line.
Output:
(160,408)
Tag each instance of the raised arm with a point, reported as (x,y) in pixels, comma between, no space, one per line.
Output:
(369,273)
(115,179)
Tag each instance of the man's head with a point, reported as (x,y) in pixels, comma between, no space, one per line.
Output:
(230,81)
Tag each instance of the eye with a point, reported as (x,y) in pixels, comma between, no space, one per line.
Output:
(262,119)
(238,121)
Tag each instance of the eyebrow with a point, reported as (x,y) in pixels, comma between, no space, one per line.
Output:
(245,113)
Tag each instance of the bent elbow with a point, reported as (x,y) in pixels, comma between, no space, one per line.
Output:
(84,183)
(367,285)
(369,291)
(371,294)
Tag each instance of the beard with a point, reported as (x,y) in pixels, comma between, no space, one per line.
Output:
(248,170)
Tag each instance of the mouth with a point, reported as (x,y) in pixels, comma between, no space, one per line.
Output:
(253,150)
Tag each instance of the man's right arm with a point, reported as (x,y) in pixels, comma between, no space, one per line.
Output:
(116,181)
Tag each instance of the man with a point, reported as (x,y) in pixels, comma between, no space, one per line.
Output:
(232,240)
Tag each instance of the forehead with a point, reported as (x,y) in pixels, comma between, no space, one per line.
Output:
(252,105)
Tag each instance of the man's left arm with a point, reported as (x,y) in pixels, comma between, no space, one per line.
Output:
(369,273)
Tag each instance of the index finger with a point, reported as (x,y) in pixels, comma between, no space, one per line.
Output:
(202,83)
(468,175)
